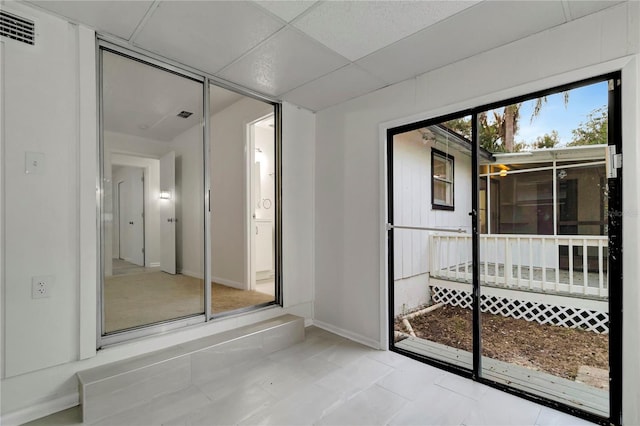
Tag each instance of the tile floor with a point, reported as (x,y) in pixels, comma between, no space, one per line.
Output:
(328,380)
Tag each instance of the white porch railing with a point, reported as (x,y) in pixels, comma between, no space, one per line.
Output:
(524,262)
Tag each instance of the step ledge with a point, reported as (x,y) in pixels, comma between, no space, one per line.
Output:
(139,362)
(111,374)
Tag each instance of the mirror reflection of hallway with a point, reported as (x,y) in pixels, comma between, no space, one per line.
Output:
(152,123)
(153,195)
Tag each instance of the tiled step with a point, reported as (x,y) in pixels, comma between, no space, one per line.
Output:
(115,387)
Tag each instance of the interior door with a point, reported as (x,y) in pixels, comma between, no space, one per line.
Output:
(135,228)
(168,212)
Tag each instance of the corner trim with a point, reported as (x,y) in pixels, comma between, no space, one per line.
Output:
(348,334)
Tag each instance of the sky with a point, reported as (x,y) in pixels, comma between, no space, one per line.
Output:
(554,115)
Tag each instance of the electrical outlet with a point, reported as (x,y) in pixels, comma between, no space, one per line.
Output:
(41,286)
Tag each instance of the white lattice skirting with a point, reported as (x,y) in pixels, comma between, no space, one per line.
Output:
(569,317)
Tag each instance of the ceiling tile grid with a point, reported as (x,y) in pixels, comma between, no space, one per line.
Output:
(357,28)
(580,8)
(284,62)
(286,10)
(346,83)
(207,35)
(480,28)
(319,53)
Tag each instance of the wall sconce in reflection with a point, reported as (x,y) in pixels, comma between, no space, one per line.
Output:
(503,173)
(165,195)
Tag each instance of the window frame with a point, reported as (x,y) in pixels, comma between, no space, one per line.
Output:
(435,205)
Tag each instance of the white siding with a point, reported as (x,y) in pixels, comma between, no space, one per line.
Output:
(412,207)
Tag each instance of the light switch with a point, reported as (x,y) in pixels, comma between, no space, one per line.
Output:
(34,163)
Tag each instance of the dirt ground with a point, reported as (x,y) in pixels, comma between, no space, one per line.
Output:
(553,349)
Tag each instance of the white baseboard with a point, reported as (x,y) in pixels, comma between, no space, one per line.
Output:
(41,409)
(154,265)
(230,283)
(197,275)
(347,334)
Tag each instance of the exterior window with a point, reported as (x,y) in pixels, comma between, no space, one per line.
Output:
(442,180)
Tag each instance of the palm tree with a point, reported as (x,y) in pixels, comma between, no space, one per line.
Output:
(505,126)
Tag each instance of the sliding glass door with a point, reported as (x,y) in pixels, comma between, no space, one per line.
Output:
(189,198)
(431,231)
(544,262)
(244,202)
(517,282)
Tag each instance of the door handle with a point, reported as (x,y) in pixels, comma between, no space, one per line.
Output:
(170,219)
(130,223)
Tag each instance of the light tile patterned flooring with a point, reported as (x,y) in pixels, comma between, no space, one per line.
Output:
(328,380)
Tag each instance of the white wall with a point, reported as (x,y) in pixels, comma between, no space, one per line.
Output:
(298,209)
(41,232)
(228,190)
(189,202)
(49,222)
(349,197)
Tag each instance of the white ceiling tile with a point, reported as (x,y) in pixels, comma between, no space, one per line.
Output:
(580,8)
(483,27)
(287,60)
(144,101)
(206,35)
(356,28)
(286,9)
(339,86)
(119,18)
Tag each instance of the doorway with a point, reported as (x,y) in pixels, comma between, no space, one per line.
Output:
(129,216)
(261,211)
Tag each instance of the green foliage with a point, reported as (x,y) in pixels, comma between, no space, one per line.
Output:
(462,126)
(594,131)
(547,140)
(489,133)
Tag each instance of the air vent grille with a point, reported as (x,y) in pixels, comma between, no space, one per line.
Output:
(185,114)
(17,28)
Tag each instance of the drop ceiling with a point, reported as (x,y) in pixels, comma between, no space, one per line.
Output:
(319,53)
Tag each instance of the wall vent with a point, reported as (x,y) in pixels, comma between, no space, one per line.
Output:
(17,28)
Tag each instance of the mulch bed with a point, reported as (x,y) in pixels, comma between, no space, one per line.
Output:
(552,349)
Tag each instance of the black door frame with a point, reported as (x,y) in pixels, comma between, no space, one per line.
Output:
(614,247)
